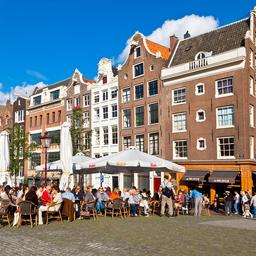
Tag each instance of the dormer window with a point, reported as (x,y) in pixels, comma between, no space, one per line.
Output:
(137,52)
(105,79)
(200,56)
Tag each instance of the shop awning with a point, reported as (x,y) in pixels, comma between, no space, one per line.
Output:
(223,177)
(195,175)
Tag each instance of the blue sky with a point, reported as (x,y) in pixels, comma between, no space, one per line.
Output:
(45,40)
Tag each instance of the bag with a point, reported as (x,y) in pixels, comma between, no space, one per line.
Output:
(167,192)
(85,214)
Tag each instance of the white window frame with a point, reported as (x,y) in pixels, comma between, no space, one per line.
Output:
(126,89)
(115,89)
(98,97)
(69,104)
(105,107)
(115,111)
(252,146)
(96,117)
(128,136)
(86,99)
(217,95)
(135,53)
(219,151)
(173,150)
(173,126)
(196,89)
(143,116)
(217,120)
(123,118)
(252,116)
(135,141)
(112,127)
(105,95)
(158,142)
(148,88)
(197,116)
(135,91)
(133,70)
(86,115)
(179,103)
(251,86)
(149,115)
(97,138)
(198,144)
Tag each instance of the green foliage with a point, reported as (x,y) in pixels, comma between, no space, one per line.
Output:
(81,139)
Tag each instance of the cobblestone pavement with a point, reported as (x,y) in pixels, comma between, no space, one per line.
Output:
(183,235)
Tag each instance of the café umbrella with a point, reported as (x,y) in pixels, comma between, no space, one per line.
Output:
(4,159)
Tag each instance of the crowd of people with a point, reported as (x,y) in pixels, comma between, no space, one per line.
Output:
(171,201)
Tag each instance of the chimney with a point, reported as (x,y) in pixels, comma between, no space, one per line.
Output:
(173,42)
(187,35)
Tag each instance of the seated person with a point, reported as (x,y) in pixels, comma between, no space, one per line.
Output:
(134,201)
(144,202)
(114,194)
(102,197)
(53,206)
(68,195)
(32,196)
(46,195)
(125,195)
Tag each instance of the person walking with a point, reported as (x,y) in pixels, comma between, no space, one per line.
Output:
(253,205)
(168,193)
(198,199)
(228,199)
(237,202)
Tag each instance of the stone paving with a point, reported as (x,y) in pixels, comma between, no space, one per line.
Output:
(184,235)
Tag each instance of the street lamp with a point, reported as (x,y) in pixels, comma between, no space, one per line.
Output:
(46,142)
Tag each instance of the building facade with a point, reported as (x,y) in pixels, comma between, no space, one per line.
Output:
(140,103)
(6,116)
(210,103)
(104,118)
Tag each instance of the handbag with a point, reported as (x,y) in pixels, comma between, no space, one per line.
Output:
(167,192)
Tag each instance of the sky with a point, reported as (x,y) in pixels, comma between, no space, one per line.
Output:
(43,41)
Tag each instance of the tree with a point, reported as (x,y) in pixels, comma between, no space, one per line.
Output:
(20,149)
(81,137)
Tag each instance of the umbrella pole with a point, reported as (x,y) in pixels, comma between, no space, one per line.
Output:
(101,179)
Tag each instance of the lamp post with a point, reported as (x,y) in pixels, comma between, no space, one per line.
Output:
(46,142)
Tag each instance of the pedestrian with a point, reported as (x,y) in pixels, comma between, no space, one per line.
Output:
(168,193)
(216,203)
(228,199)
(237,202)
(253,205)
(244,201)
(198,199)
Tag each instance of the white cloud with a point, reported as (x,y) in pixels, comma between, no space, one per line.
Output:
(23,89)
(195,24)
(36,74)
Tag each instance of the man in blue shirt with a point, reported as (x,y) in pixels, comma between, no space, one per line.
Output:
(198,199)
(68,195)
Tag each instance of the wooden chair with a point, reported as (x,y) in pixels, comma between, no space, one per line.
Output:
(28,213)
(50,214)
(4,212)
(126,208)
(115,209)
(155,205)
(90,208)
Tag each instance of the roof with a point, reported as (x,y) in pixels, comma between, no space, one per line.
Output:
(52,86)
(86,80)
(217,41)
(155,47)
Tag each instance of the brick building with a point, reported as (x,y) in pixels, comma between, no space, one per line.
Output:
(6,116)
(210,108)
(140,101)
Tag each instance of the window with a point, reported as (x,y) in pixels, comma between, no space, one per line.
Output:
(76,88)
(226,147)
(37,100)
(97,113)
(251,112)
(153,113)
(97,136)
(137,52)
(69,104)
(86,100)
(35,121)
(59,116)
(53,117)
(35,138)
(86,119)
(77,102)
(199,90)
(114,93)
(41,120)
(105,112)
(48,118)
(225,117)
(126,142)
(97,155)
(126,95)
(55,136)
(87,141)
(19,116)
(179,122)
(154,144)
(251,58)
(179,96)
(139,91)
(224,87)
(35,160)
(200,115)
(200,56)
(251,86)
(114,135)
(54,95)
(105,135)
(138,70)
(152,88)
(251,147)
(201,144)
(151,67)
(104,79)
(53,156)
(114,110)
(30,122)
(140,142)
(126,118)
(105,95)
(96,98)
(180,149)
(139,116)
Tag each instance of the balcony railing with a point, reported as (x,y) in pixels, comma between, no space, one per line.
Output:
(198,63)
